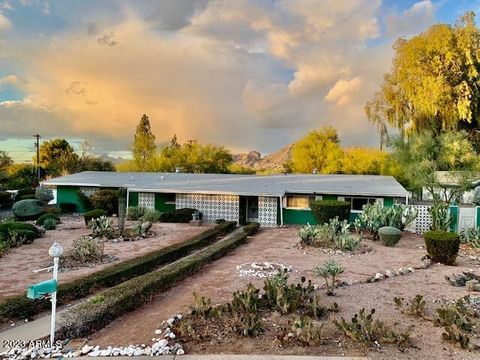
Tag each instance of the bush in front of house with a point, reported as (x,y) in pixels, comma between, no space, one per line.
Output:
(88,316)
(68,208)
(15,307)
(28,197)
(43,194)
(84,200)
(106,200)
(16,233)
(325,210)
(151,215)
(27,209)
(6,199)
(389,235)
(44,217)
(93,214)
(135,212)
(184,215)
(442,246)
(22,192)
(334,234)
(50,224)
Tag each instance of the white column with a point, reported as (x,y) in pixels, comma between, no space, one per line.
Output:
(54,303)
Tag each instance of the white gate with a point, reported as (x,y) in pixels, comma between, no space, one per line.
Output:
(466,217)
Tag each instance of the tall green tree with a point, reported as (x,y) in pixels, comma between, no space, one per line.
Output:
(320,151)
(57,157)
(144,147)
(434,82)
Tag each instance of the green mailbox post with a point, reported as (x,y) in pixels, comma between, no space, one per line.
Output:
(49,287)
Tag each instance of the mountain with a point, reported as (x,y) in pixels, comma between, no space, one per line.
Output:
(272,162)
(113,160)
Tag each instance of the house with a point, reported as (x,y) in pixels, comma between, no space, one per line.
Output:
(270,200)
(459,186)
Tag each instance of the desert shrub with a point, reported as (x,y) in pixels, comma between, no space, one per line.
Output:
(334,234)
(142,228)
(470,236)
(151,215)
(367,331)
(27,209)
(305,331)
(442,220)
(102,228)
(93,214)
(86,317)
(178,216)
(389,235)
(325,210)
(67,208)
(135,212)
(442,246)
(13,234)
(84,200)
(456,322)
(85,250)
(22,192)
(374,216)
(105,199)
(50,224)
(44,217)
(16,307)
(416,307)
(329,270)
(6,199)
(308,234)
(43,194)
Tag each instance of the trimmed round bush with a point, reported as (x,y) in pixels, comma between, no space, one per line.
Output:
(325,210)
(93,214)
(27,209)
(23,192)
(50,224)
(442,246)
(28,197)
(44,217)
(389,235)
(25,230)
(179,216)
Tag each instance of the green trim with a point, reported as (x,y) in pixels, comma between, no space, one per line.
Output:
(329,197)
(160,203)
(478,216)
(68,194)
(387,201)
(454,213)
(132,199)
(298,216)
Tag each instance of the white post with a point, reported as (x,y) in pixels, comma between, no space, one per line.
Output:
(281,210)
(128,195)
(54,303)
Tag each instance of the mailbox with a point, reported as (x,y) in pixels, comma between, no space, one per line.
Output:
(39,290)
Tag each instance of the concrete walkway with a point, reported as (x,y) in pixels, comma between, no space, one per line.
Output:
(31,331)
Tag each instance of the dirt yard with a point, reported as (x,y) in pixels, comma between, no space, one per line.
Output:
(17,264)
(219,279)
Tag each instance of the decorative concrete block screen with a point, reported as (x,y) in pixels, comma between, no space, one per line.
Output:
(423,221)
(146,200)
(213,207)
(267,211)
(87,190)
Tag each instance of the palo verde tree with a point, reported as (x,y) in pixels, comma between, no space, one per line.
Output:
(434,82)
(144,147)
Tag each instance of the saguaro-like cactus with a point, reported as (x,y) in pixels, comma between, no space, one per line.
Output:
(122,207)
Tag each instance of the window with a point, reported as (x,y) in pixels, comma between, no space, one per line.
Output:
(169,198)
(357,203)
(299,202)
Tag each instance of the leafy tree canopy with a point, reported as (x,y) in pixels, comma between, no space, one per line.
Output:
(57,157)
(144,147)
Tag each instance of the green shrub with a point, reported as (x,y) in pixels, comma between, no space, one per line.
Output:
(85,250)
(135,212)
(251,228)
(105,199)
(308,234)
(15,307)
(84,200)
(68,208)
(389,235)
(375,216)
(43,194)
(470,236)
(28,197)
(333,234)
(151,215)
(329,269)
(6,199)
(23,192)
(442,220)
(7,226)
(44,217)
(13,234)
(324,210)
(93,214)
(87,316)
(442,246)
(50,224)
(178,216)
(27,209)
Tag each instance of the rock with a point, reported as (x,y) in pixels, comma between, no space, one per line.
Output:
(389,273)
(106,352)
(170,321)
(138,352)
(378,276)
(180,352)
(158,332)
(411,269)
(473,285)
(94,353)
(171,335)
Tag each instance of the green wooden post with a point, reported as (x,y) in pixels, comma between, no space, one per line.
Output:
(478,216)
(454,213)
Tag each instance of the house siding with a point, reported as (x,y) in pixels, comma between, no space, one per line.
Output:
(68,194)
(267,211)
(213,207)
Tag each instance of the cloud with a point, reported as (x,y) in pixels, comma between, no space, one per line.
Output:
(412,21)
(344,91)
(9,79)
(5,24)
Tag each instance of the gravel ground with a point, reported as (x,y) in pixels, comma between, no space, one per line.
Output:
(219,279)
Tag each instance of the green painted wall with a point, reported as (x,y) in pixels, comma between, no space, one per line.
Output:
(132,199)
(454,213)
(329,197)
(298,216)
(160,203)
(388,201)
(68,194)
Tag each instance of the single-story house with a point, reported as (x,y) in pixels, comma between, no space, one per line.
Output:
(449,182)
(270,200)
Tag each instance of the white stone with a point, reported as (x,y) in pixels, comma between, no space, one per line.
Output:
(411,269)
(378,276)
(390,273)
(94,353)
(180,352)
(172,335)
(138,352)
(106,352)
(158,332)
(170,321)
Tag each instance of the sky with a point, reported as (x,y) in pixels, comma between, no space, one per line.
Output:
(247,74)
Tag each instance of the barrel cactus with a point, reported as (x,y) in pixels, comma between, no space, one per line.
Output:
(27,209)
(389,235)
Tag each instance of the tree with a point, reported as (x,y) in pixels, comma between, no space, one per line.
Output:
(5,161)
(363,160)
(57,157)
(319,151)
(423,156)
(434,83)
(144,147)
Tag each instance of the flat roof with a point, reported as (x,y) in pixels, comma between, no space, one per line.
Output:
(254,185)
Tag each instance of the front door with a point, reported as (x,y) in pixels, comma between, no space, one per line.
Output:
(252,209)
